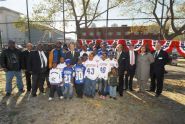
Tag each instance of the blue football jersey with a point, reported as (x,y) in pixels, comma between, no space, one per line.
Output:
(79,73)
(67,74)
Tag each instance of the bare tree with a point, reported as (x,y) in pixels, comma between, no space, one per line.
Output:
(83,12)
(173,21)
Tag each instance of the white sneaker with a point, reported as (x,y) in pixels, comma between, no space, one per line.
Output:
(61,97)
(50,98)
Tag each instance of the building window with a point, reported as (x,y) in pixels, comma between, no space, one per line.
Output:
(98,33)
(136,33)
(110,33)
(145,33)
(118,33)
(91,33)
(127,33)
(84,33)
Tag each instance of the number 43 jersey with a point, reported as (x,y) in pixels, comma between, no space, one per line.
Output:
(79,73)
(91,69)
(104,68)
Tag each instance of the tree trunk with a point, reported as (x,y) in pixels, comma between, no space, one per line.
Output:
(78,31)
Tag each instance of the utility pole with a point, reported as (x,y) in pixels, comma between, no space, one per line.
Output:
(64,22)
(107,20)
(28,21)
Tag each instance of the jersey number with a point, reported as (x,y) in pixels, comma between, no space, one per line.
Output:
(67,78)
(103,69)
(79,75)
(90,71)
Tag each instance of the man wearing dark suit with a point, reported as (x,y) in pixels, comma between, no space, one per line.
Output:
(132,57)
(72,54)
(37,66)
(122,58)
(157,69)
(25,61)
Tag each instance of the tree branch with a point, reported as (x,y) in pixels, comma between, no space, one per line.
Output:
(90,21)
(172,16)
(154,13)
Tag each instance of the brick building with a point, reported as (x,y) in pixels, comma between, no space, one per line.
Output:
(124,32)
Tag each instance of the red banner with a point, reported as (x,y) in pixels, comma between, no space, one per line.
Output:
(167,45)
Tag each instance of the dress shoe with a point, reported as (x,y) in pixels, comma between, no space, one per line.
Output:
(8,94)
(157,95)
(34,95)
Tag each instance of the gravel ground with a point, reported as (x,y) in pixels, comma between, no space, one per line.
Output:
(132,108)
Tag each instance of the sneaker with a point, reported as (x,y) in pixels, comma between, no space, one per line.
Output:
(43,93)
(61,97)
(50,98)
(34,95)
(110,97)
(114,98)
(103,97)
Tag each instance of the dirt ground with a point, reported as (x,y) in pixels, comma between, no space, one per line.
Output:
(132,108)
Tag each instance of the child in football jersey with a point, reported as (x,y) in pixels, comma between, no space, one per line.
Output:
(62,64)
(113,62)
(55,79)
(91,75)
(68,75)
(103,68)
(113,82)
(79,70)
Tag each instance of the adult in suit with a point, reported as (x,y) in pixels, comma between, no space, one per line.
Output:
(37,66)
(26,53)
(72,54)
(157,70)
(122,58)
(132,58)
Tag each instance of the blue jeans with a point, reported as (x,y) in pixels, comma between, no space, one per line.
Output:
(102,87)
(9,77)
(112,91)
(90,87)
(67,91)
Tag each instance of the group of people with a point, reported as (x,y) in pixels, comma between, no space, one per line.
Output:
(86,69)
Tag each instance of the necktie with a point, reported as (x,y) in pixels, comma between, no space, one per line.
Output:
(132,58)
(42,60)
(118,55)
(72,53)
(156,54)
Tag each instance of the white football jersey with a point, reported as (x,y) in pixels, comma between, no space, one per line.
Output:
(91,71)
(97,58)
(104,68)
(55,76)
(113,63)
(82,52)
(61,66)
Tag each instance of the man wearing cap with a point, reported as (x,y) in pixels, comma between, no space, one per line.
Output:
(132,57)
(11,62)
(157,70)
